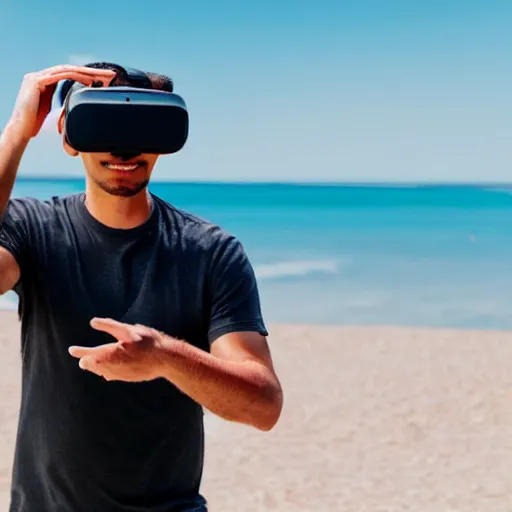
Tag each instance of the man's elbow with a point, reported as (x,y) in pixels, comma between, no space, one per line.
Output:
(267,414)
(267,422)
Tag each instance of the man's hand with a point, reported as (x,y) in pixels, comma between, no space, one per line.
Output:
(34,99)
(135,357)
(236,380)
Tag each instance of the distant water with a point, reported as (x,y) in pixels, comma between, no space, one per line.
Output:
(411,255)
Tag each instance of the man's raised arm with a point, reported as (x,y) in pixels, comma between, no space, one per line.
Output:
(32,106)
(12,146)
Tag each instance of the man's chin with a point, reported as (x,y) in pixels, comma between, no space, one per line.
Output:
(128,190)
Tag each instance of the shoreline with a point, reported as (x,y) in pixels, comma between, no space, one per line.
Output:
(12,311)
(375,418)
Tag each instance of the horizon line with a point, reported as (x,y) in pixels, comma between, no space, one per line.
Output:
(351,183)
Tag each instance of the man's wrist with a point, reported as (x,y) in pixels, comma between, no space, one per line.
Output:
(14,135)
(169,350)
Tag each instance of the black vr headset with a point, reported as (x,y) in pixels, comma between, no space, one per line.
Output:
(124,120)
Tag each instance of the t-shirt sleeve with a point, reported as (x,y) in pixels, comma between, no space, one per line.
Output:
(234,295)
(14,232)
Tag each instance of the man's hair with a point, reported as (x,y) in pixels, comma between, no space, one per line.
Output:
(157,81)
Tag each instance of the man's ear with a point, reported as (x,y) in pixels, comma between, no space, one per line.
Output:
(60,122)
(60,126)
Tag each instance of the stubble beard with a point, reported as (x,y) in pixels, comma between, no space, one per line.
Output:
(123,191)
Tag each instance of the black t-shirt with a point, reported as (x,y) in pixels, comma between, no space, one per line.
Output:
(85,444)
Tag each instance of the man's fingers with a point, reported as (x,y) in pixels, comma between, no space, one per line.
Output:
(101,354)
(83,78)
(87,363)
(80,352)
(70,75)
(81,74)
(91,365)
(81,69)
(123,332)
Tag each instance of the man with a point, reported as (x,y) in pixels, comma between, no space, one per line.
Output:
(135,315)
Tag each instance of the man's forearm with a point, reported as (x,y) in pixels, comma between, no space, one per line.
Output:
(12,147)
(244,392)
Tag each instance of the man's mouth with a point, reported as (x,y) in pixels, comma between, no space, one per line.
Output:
(122,167)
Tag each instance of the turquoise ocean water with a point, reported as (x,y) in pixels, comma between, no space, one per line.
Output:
(409,255)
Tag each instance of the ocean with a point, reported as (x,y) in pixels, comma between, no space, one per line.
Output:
(425,255)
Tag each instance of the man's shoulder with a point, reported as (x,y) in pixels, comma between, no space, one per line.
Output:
(195,229)
(31,208)
(52,202)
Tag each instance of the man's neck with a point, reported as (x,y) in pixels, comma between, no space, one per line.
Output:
(118,212)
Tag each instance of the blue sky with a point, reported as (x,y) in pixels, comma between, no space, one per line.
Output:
(347,90)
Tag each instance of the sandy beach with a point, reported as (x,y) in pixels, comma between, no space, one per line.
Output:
(376,419)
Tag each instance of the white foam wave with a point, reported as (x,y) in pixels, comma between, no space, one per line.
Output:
(499,190)
(9,301)
(295,268)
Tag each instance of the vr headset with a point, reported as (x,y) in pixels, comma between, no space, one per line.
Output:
(124,120)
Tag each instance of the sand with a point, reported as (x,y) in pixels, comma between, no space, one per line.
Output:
(376,419)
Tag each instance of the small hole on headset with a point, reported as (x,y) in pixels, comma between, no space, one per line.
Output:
(127,99)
